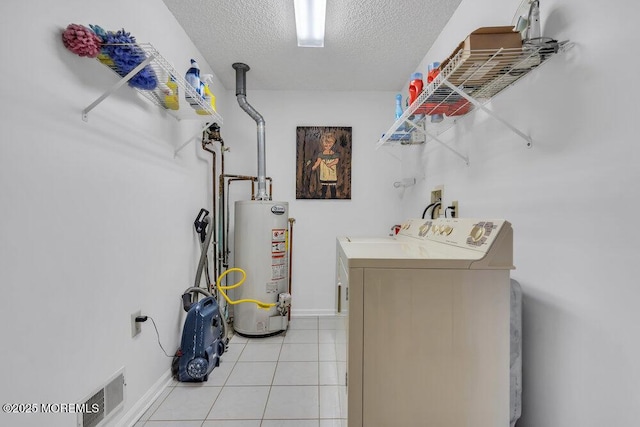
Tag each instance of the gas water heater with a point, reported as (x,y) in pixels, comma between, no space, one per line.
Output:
(261,250)
(260,245)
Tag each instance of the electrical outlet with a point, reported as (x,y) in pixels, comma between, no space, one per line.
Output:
(136,327)
(436,196)
(454,211)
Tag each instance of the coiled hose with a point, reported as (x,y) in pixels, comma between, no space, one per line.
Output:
(222,289)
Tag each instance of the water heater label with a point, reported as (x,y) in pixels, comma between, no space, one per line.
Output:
(272,288)
(278,271)
(278,253)
(278,234)
(278,209)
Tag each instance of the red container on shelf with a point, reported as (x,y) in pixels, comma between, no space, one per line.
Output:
(441,102)
(434,70)
(415,87)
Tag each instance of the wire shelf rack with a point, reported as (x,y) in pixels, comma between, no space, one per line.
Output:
(466,82)
(147,56)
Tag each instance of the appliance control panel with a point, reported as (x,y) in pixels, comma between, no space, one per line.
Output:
(467,233)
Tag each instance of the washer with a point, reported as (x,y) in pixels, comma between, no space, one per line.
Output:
(428,324)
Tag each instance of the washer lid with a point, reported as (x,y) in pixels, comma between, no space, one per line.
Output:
(441,243)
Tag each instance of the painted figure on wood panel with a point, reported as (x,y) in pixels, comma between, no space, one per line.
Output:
(323,163)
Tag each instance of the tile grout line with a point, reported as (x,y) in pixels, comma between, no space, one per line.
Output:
(223,384)
(279,363)
(266,403)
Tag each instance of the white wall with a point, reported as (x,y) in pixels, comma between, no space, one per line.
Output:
(374,205)
(96,217)
(572,200)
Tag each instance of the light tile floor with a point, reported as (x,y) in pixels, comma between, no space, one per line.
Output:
(295,379)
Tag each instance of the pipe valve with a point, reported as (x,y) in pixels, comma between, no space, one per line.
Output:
(284,302)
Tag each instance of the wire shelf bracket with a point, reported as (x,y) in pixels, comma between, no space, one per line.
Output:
(115,87)
(445,145)
(188,141)
(477,104)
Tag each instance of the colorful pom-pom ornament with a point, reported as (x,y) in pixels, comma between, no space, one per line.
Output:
(81,40)
(126,55)
(100,32)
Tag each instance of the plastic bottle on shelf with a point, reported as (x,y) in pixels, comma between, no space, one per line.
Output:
(172,100)
(162,76)
(398,106)
(209,97)
(193,79)
(433,70)
(415,87)
(207,101)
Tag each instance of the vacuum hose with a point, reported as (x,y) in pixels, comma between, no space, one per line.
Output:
(188,300)
(203,255)
(190,296)
(222,289)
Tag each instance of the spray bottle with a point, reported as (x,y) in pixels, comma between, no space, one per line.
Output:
(193,79)
(209,97)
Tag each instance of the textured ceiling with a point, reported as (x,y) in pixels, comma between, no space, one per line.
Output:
(369,44)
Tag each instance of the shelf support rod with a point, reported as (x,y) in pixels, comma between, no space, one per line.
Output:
(188,141)
(393,155)
(115,87)
(435,138)
(524,136)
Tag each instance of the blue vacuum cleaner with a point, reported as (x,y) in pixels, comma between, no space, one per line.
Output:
(203,335)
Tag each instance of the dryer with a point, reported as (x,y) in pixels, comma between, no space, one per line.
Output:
(428,324)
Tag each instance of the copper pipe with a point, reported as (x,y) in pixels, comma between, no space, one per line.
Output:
(249,178)
(224,207)
(223,247)
(210,135)
(244,177)
(213,223)
(220,206)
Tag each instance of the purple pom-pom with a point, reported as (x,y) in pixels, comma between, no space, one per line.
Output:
(121,47)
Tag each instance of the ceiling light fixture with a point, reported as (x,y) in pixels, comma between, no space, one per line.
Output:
(310,17)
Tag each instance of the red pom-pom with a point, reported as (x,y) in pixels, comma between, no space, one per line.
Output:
(81,40)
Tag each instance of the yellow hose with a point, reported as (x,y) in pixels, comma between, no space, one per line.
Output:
(222,289)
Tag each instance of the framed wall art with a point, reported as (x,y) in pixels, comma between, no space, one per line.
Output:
(323,162)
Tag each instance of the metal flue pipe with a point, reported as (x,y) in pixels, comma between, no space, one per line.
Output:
(241,95)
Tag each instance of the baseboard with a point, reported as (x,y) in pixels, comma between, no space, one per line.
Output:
(141,406)
(312,312)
